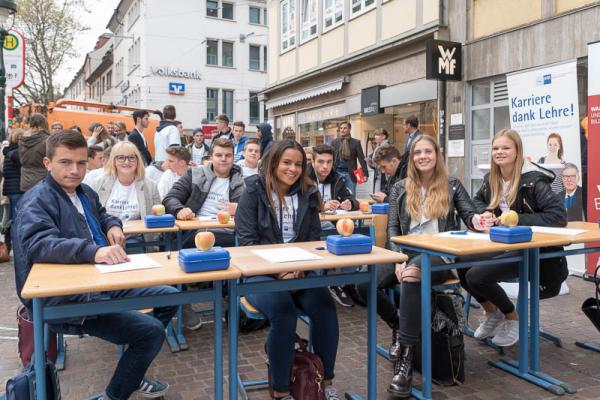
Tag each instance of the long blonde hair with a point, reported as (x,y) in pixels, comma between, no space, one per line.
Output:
(437,200)
(496,175)
(124,149)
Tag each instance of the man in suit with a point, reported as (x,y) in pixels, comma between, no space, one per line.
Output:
(347,151)
(140,119)
(411,128)
(573,193)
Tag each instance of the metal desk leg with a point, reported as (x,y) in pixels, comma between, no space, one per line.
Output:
(218,307)
(39,353)
(180,338)
(588,346)
(233,333)
(534,306)
(60,352)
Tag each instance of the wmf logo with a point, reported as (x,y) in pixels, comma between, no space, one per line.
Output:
(444,60)
(447,62)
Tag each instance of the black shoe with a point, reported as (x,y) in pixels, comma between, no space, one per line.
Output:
(396,346)
(340,297)
(401,384)
(352,291)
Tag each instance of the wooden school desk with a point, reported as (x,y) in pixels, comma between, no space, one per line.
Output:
(528,259)
(50,280)
(251,264)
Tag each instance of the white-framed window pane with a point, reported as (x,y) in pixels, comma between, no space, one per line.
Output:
(228,103)
(227,10)
(212,8)
(254,57)
(356,6)
(284,24)
(480,93)
(265,57)
(212,51)
(333,13)
(254,108)
(369,3)
(292,23)
(227,55)
(265,16)
(481,124)
(212,102)
(501,118)
(309,18)
(254,15)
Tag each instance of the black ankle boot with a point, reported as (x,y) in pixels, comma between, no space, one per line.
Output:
(403,373)
(395,347)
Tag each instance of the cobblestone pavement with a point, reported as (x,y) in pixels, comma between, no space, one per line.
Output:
(90,362)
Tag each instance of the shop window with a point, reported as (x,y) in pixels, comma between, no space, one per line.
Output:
(308,18)
(254,108)
(288,24)
(212,50)
(228,103)
(254,63)
(227,54)
(212,102)
(333,13)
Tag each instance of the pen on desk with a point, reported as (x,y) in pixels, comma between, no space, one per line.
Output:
(459,232)
(169,255)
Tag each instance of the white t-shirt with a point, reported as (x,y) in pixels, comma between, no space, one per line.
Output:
(218,195)
(504,207)
(247,171)
(123,202)
(286,216)
(91,176)
(153,173)
(164,138)
(325,190)
(425,225)
(198,154)
(166,182)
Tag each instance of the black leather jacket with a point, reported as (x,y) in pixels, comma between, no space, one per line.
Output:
(339,191)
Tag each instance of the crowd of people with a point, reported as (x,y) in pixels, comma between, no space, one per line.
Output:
(276,190)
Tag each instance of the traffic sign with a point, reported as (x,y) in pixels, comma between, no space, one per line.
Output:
(14,59)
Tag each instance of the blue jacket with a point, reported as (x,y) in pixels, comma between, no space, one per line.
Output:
(239,149)
(50,229)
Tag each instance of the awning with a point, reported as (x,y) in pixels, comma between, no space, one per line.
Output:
(309,93)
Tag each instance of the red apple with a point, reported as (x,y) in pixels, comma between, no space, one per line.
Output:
(223,217)
(345,226)
(158,209)
(204,240)
(364,206)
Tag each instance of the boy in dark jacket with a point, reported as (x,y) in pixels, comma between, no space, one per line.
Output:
(61,221)
(388,160)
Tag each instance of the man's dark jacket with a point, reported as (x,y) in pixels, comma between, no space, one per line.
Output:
(135,137)
(356,152)
(404,160)
(339,191)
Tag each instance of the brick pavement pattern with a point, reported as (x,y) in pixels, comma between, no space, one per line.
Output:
(90,361)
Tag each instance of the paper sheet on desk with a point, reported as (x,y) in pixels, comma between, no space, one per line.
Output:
(207,219)
(557,231)
(137,261)
(469,235)
(287,254)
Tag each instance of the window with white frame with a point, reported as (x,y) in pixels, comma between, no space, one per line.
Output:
(133,13)
(254,61)
(118,34)
(228,103)
(333,13)
(219,9)
(288,24)
(227,10)
(255,14)
(134,55)
(359,6)
(227,54)
(254,108)
(119,71)
(212,52)
(212,104)
(212,8)
(308,19)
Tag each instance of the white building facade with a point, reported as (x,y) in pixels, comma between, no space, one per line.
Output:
(204,57)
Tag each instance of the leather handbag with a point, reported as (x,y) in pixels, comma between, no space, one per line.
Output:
(25,344)
(4,253)
(591,306)
(307,374)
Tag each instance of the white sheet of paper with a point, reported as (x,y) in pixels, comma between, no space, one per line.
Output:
(470,235)
(137,261)
(287,254)
(208,219)
(557,231)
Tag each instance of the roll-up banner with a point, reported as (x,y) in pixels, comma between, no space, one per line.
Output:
(593,192)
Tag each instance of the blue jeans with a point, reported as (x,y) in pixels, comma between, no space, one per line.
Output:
(143,334)
(14,202)
(350,184)
(280,308)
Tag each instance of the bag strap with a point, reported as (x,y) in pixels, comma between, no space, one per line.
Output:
(597,283)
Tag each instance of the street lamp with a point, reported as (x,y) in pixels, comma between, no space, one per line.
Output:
(7,8)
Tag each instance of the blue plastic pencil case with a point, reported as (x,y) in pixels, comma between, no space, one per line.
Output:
(194,260)
(159,221)
(345,245)
(504,234)
(380,208)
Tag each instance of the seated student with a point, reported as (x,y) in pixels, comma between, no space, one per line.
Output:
(281,205)
(178,160)
(62,221)
(425,202)
(198,148)
(92,175)
(387,159)
(249,163)
(155,170)
(513,183)
(123,190)
(95,158)
(207,189)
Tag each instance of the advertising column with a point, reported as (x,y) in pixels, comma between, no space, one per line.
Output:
(593,142)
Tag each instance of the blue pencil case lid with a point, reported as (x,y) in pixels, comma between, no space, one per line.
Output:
(504,234)
(380,208)
(353,244)
(217,253)
(159,221)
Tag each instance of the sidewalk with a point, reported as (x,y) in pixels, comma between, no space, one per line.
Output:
(90,362)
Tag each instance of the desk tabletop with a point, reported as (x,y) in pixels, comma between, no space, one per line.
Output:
(49,280)
(250,264)
(353,215)
(138,226)
(195,224)
(462,247)
(593,234)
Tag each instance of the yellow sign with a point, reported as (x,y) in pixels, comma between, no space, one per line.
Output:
(11,42)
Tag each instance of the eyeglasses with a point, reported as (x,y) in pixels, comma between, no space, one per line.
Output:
(569,176)
(122,159)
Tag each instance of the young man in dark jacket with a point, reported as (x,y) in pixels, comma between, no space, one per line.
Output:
(331,185)
(411,128)
(346,151)
(141,119)
(388,160)
(62,221)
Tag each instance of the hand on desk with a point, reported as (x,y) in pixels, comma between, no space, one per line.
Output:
(115,236)
(110,255)
(346,205)
(378,197)
(185,214)
(482,222)
(331,205)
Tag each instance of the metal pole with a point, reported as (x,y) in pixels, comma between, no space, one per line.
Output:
(3,34)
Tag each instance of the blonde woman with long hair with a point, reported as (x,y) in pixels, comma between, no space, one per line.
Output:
(519,185)
(425,202)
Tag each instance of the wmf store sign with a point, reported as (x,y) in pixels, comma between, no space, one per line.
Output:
(444,60)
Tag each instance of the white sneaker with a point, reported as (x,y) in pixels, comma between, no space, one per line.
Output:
(488,324)
(507,333)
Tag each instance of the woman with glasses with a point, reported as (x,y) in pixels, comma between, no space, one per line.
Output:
(123,189)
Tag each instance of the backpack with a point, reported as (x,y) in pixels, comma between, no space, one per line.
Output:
(22,386)
(447,343)
(307,374)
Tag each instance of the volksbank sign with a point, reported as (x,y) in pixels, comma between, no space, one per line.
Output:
(175,72)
